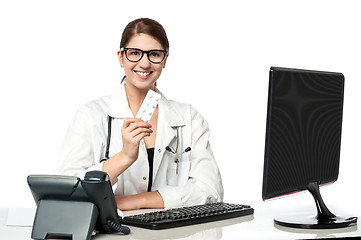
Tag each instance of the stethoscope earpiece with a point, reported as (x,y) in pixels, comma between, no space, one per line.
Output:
(169,149)
(174,152)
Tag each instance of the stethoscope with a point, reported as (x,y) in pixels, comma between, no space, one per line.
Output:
(177,151)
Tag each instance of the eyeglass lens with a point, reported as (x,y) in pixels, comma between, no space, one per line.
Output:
(155,56)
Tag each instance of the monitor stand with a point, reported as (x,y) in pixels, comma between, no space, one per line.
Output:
(325,219)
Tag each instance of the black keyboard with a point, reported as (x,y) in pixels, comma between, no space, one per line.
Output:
(179,217)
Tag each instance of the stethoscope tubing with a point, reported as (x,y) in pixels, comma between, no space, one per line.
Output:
(177,152)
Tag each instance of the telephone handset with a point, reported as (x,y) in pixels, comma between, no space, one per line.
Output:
(70,207)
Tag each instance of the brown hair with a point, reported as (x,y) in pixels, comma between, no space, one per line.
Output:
(145,26)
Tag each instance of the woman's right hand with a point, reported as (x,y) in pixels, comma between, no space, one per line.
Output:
(133,131)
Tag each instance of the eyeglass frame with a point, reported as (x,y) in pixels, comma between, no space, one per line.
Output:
(123,49)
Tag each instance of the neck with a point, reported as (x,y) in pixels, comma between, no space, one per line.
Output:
(135,97)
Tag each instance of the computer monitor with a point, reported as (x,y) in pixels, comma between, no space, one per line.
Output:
(303,139)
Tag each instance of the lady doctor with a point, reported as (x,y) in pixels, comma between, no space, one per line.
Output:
(144,168)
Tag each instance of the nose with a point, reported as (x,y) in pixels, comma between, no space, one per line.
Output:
(144,62)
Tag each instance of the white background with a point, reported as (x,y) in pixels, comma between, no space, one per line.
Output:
(57,55)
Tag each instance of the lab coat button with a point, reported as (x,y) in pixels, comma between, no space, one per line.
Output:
(144,178)
(159,150)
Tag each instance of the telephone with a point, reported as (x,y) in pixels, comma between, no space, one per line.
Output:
(70,207)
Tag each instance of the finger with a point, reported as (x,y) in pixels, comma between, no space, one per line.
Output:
(138,131)
(128,121)
(140,136)
(135,140)
(138,124)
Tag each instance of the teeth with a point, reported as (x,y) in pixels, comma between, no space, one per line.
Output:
(143,73)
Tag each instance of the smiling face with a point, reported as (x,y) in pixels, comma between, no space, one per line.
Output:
(142,74)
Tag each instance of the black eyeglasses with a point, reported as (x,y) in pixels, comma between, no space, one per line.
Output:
(135,54)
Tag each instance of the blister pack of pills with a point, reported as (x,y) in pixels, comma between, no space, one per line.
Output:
(148,106)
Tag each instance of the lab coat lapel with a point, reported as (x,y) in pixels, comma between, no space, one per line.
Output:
(168,121)
(118,104)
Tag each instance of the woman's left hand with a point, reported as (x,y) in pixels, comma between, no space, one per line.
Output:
(141,200)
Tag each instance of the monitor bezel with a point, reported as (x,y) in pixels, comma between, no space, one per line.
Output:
(266,195)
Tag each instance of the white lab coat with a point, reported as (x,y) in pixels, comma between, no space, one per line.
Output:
(197,179)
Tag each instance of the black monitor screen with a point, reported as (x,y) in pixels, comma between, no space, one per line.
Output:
(303,134)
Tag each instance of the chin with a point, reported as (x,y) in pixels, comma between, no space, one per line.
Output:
(142,84)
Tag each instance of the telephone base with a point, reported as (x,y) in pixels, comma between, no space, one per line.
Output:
(56,219)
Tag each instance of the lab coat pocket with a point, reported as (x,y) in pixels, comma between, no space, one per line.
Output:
(177,173)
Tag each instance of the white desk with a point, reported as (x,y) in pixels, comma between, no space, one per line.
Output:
(258,226)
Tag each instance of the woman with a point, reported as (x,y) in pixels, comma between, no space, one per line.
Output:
(143,173)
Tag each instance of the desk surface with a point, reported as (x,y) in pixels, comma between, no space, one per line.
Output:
(258,226)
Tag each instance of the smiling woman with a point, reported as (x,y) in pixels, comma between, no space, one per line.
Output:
(147,28)
(136,66)
(164,163)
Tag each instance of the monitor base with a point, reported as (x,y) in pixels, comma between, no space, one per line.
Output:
(324,219)
(310,221)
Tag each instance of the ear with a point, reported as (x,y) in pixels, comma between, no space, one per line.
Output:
(120,57)
(165,60)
